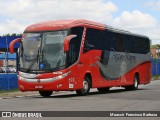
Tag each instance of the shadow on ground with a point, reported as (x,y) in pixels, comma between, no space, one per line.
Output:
(92,93)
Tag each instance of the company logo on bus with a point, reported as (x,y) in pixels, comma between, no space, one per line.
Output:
(41,65)
(38,81)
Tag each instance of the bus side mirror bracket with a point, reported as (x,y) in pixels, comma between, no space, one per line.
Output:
(67,41)
(11,45)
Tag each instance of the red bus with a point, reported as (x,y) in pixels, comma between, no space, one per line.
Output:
(68,55)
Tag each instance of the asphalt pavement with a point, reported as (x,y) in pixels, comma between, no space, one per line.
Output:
(146,98)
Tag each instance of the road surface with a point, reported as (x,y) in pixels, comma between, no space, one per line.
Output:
(147,98)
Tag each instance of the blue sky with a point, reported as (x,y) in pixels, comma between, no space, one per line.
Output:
(138,16)
(130,5)
(144,6)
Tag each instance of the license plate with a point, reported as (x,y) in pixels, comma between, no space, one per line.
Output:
(38,86)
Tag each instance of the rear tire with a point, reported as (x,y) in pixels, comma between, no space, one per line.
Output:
(86,87)
(103,90)
(45,93)
(135,84)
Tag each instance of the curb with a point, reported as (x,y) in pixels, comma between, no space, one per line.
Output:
(18,96)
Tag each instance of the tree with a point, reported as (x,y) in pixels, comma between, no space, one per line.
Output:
(158,50)
(13,34)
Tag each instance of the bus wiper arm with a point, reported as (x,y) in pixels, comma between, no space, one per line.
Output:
(36,59)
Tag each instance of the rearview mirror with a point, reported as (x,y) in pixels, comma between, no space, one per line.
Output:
(11,45)
(67,41)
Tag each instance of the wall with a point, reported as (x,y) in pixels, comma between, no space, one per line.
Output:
(155,67)
(8,81)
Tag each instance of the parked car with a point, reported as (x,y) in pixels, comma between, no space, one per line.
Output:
(1,70)
(7,70)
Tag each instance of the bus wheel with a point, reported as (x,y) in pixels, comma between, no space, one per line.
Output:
(45,93)
(135,84)
(86,87)
(103,90)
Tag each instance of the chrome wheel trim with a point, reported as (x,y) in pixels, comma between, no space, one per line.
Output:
(136,82)
(85,86)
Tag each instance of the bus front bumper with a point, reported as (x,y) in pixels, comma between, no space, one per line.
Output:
(63,84)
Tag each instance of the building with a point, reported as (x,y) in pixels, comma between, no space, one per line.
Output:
(153,53)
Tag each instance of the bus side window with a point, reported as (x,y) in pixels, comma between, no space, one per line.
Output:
(74,46)
(89,43)
(112,41)
(95,40)
(119,42)
(127,43)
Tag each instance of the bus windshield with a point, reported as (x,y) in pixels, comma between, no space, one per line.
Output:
(42,51)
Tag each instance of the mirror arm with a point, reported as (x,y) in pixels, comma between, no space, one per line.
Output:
(11,45)
(67,41)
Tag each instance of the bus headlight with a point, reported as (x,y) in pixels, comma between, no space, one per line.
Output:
(22,78)
(27,75)
(61,76)
(45,80)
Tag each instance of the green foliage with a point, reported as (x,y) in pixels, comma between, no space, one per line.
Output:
(155,77)
(13,34)
(155,46)
(8,91)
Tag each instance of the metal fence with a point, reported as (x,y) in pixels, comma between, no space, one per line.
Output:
(8,81)
(155,66)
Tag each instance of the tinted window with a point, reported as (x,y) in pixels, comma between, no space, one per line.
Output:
(113,41)
(74,47)
(95,39)
(134,44)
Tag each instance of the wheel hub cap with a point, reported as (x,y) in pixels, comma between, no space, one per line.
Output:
(85,86)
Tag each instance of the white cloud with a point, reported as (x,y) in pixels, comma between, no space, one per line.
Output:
(11,27)
(38,10)
(135,20)
(138,22)
(155,5)
(26,12)
(21,13)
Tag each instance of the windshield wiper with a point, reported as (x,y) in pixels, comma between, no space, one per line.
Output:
(36,59)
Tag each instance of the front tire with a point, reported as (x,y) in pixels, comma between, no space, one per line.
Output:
(135,84)
(86,87)
(45,93)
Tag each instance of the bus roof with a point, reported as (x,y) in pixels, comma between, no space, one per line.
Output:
(65,24)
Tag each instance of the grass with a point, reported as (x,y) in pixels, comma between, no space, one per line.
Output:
(8,91)
(155,77)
